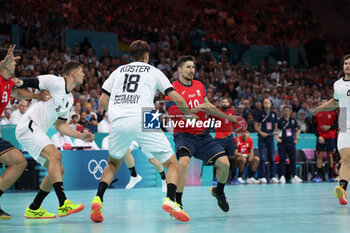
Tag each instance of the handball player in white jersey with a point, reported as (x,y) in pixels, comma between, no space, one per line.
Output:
(31,133)
(341,99)
(128,90)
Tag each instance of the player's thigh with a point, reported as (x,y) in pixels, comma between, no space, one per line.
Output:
(320,146)
(10,155)
(343,141)
(33,139)
(330,145)
(119,143)
(209,150)
(156,144)
(185,145)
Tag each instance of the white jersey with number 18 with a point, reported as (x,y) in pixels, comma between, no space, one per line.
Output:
(132,87)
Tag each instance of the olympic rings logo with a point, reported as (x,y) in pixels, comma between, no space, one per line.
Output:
(95,167)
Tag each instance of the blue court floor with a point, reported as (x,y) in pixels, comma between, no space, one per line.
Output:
(253,208)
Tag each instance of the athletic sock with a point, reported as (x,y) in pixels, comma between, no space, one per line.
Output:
(179,198)
(251,174)
(58,186)
(101,189)
(343,184)
(171,190)
(38,200)
(133,171)
(220,188)
(330,170)
(320,172)
(162,175)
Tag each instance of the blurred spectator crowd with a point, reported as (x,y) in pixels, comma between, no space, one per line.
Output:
(172,30)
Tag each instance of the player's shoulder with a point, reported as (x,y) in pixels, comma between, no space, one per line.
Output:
(196,83)
(338,82)
(250,140)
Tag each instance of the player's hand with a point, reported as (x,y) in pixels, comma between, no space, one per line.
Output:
(325,127)
(314,111)
(320,140)
(279,140)
(296,141)
(87,137)
(199,108)
(17,81)
(263,134)
(9,56)
(44,96)
(250,159)
(235,119)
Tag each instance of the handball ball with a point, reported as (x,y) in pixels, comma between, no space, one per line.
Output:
(66,146)
(239,128)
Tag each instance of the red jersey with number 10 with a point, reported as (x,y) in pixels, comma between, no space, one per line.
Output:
(243,147)
(194,95)
(226,125)
(5,92)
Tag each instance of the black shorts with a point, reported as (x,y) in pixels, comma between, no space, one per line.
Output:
(328,146)
(228,144)
(5,146)
(203,146)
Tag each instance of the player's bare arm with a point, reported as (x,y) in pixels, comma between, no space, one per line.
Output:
(103,101)
(181,103)
(212,110)
(329,106)
(65,129)
(24,94)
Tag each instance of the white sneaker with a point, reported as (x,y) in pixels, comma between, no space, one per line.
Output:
(296,180)
(133,181)
(274,180)
(282,180)
(252,180)
(263,180)
(164,186)
(240,180)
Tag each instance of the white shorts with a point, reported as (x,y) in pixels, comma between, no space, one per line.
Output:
(32,138)
(134,146)
(343,140)
(126,130)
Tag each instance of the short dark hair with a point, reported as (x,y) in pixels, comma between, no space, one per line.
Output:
(286,106)
(69,66)
(3,53)
(138,49)
(346,57)
(183,59)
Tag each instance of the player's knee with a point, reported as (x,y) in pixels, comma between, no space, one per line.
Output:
(223,162)
(184,163)
(55,157)
(256,159)
(345,160)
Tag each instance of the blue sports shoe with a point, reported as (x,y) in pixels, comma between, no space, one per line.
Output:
(317,179)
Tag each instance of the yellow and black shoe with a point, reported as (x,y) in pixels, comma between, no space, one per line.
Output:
(96,210)
(340,194)
(4,215)
(38,214)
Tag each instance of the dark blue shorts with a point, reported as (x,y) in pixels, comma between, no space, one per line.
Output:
(228,144)
(203,146)
(5,146)
(328,146)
